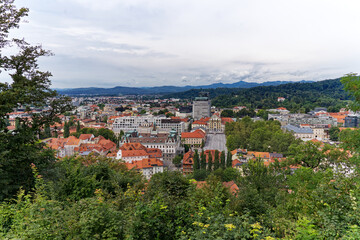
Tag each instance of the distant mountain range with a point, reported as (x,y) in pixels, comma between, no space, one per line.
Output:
(115,91)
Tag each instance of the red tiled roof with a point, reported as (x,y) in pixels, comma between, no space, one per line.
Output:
(144,163)
(260,154)
(225,120)
(134,153)
(132,146)
(195,134)
(85,136)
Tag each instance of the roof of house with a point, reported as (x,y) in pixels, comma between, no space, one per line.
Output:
(195,134)
(259,154)
(236,163)
(225,120)
(134,153)
(85,136)
(132,146)
(188,158)
(298,129)
(145,163)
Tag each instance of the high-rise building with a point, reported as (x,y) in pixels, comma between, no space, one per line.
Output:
(201,106)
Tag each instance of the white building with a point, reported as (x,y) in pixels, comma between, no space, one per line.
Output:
(133,123)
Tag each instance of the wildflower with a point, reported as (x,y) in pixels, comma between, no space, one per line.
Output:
(206,225)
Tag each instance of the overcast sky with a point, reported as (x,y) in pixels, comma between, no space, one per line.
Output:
(193,42)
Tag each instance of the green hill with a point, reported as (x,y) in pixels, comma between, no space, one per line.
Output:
(299,96)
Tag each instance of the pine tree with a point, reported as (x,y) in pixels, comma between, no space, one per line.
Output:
(203,161)
(210,162)
(229,160)
(78,128)
(223,160)
(47,131)
(66,130)
(216,161)
(196,165)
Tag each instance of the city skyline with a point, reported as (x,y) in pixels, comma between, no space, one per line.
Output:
(154,43)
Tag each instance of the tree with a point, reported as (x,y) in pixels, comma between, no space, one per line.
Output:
(196,165)
(177,160)
(186,148)
(29,87)
(78,128)
(223,160)
(334,133)
(55,132)
(105,119)
(47,131)
(263,114)
(351,84)
(307,154)
(203,161)
(216,161)
(229,160)
(210,162)
(66,130)
(101,106)
(106,133)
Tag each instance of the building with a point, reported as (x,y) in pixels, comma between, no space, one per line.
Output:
(213,124)
(133,123)
(136,156)
(168,143)
(201,106)
(172,124)
(304,134)
(351,121)
(83,146)
(148,166)
(298,119)
(188,162)
(193,139)
(184,112)
(281,99)
(134,151)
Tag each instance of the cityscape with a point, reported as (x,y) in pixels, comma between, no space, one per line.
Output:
(130,133)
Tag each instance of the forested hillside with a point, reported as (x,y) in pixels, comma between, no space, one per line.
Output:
(299,96)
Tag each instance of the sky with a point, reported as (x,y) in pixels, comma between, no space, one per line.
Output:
(142,43)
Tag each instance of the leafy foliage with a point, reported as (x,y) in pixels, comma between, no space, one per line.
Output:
(264,136)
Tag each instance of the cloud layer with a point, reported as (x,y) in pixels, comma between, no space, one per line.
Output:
(182,42)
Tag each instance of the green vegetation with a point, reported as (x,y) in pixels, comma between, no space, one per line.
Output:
(106,133)
(98,198)
(263,136)
(240,114)
(334,133)
(300,97)
(29,87)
